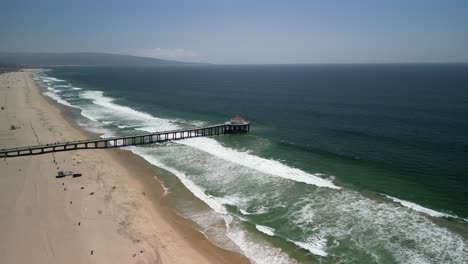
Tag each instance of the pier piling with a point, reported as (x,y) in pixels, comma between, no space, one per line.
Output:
(115,142)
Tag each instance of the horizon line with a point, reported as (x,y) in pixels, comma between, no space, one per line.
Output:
(214,63)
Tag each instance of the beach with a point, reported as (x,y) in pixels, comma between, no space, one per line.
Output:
(114,212)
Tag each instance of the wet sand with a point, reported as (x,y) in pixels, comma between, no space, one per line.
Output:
(113,213)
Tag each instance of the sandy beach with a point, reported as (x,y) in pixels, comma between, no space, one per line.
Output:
(113,213)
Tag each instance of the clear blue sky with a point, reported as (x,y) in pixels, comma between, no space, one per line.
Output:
(254,31)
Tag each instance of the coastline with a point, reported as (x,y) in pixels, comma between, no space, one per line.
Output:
(115,212)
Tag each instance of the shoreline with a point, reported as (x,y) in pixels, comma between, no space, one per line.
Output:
(174,239)
(153,185)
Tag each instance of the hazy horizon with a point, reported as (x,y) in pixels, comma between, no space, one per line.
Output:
(241,32)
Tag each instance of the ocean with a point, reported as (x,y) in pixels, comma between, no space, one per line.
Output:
(344,163)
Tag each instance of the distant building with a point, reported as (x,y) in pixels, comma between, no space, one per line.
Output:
(237,124)
(237,120)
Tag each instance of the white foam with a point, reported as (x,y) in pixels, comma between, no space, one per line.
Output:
(195,123)
(194,189)
(57,98)
(258,252)
(152,129)
(98,98)
(420,208)
(50,88)
(244,212)
(56,79)
(52,92)
(261,210)
(48,79)
(316,247)
(92,127)
(104,110)
(375,228)
(266,230)
(166,189)
(127,113)
(232,200)
(88,115)
(245,159)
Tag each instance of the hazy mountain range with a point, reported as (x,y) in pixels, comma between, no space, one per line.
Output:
(79,58)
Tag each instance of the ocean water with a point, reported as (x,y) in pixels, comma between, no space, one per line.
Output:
(344,163)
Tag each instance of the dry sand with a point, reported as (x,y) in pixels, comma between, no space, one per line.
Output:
(111,214)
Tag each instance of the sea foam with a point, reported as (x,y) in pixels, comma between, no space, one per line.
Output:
(52,94)
(191,186)
(271,167)
(422,209)
(314,247)
(347,216)
(116,111)
(47,79)
(266,230)
(258,252)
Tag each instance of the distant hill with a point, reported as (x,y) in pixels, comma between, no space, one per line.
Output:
(80,58)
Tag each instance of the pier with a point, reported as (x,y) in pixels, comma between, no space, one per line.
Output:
(234,126)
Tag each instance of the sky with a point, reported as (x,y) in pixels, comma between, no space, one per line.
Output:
(243,32)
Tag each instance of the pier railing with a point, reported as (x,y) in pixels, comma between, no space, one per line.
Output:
(124,141)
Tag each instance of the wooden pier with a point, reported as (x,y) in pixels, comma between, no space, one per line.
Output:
(117,142)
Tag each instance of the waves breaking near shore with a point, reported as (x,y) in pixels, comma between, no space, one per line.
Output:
(260,198)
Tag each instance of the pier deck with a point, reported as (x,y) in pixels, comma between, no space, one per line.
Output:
(117,142)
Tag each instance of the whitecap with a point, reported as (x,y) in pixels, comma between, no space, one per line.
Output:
(422,209)
(191,186)
(260,210)
(371,225)
(315,247)
(271,167)
(266,230)
(244,212)
(257,251)
(57,98)
(120,112)
(48,79)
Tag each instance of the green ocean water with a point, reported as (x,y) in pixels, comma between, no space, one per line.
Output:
(345,163)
